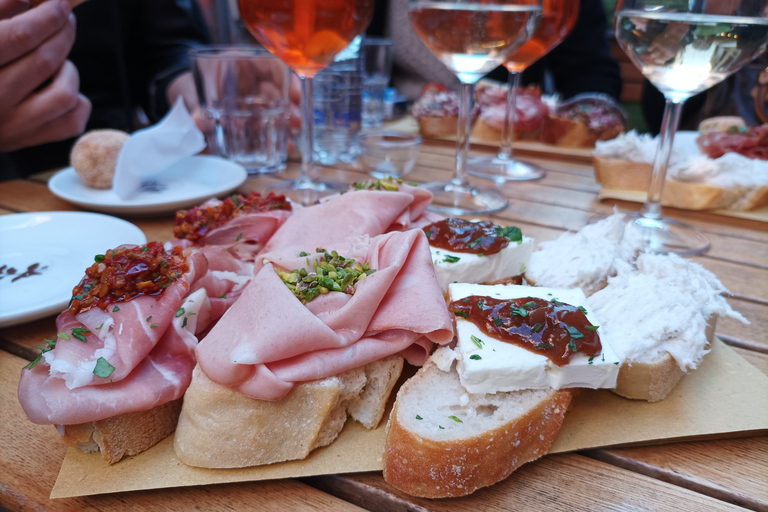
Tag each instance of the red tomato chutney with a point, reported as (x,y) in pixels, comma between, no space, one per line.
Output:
(459,235)
(195,223)
(550,328)
(127,272)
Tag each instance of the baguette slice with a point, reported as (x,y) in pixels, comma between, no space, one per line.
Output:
(438,126)
(221,428)
(464,441)
(485,132)
(125,434)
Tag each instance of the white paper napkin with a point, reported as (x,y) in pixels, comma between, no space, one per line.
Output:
(148,152)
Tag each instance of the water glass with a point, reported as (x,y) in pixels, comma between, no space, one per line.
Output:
(244,105)
(377,69)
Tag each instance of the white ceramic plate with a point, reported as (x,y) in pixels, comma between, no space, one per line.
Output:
(62,245)
(189,182)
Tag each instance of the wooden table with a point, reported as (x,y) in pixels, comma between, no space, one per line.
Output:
(709,475)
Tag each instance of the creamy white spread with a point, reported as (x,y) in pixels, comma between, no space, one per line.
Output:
(507,367)
(585,258)
(642,148)
(661,306)
(464,267)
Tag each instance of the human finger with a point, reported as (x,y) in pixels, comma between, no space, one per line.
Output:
(9,8)
(22,76)
(65,127)
(23,33)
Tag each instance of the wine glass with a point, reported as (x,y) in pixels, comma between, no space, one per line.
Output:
(471,37)
(557,20)
(306,35)
(684,48)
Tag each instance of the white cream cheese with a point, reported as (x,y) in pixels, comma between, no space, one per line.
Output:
(662,305)
(642,148)
(507,367)
(466,267)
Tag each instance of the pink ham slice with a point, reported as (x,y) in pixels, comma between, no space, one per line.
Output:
(162,376)
(359,212)
(269,340)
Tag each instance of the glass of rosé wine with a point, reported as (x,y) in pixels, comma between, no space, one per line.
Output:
(471,37)
(557,20)
(684,48)
(306,35)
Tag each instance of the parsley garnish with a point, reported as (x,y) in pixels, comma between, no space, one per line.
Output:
(590,359)
(477,341)
(103,368)
(572,345)
(153,326)
(428,233)
(583,310)
(64,336)
(456,419)
(474,244)
(462,314)
(498,321)
(303,254)
(574,332)
(98,258)
(475,357)
(184,322)
(593,328)
(481,303)
(115,309)
(537,328)
(511,233)
(451,259)
(529,304)
(419,417)
(50,345)
(239,237)
(223,296)
(179,312)
(78,332)
(520,312)
(441,427)
(149,318)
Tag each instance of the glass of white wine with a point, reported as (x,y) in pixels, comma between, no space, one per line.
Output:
(683,48)
(471,37)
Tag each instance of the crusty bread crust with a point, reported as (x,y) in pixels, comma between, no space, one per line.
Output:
(438,126)
(619,174)
(124,434)
(432,468)
(485,132)
(221,428)
(653,380)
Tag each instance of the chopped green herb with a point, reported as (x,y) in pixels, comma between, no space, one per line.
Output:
(303,254)
(520,312)
(475,357)
(572,345)
(522,268)
(50,345)
(451,259)
(474,244)
(428,233)
(149,318)
(537,328)
(581,308)
(456,419)
(480,255)
(441,427)
(413,183)
(103,368)
(529,304)
(79,332)
(574,332)
(477,341)
(115,309)
(64,336)
(511,233)
(543,346)
(98,258)
(184,322)
(153,326)
(481,303)
(590,359)
(223,296)
(593,328)
(99,327)
(144,249)
(462,314)
(239,237)
(603,356)
(498,321)
(419,417)
(179,312)
(616,362)
(465,300)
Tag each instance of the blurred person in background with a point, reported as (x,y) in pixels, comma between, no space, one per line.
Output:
(106,64)
(581,63)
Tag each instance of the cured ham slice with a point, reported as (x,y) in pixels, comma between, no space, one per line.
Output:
(160,377)
(269,340)
(357,212)
(752,143)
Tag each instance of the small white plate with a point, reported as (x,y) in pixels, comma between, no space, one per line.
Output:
(62,245)
(189,182)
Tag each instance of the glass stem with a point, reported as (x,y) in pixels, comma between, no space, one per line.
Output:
(462,136)
(652,207)
(307,130)
(510,113)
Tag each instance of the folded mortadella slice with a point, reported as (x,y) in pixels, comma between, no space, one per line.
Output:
(357,212)
(269,340)
(162,376)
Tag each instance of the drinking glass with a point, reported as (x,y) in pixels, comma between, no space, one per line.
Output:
(306,35)
(471,37)
(684,48)
(557,20)
(377,68)
(243,94)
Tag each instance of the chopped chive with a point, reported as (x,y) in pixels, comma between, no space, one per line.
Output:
(537,328)
(184,322)
(153,326)
(593,328)
(456,419)
(451,259)
(239,237)
(481,303)
(303,254)
(582,309)
(572,345)
(477,341)
(149,318)
(590,359)
(428,233)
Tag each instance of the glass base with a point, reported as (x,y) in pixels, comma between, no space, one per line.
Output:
(452,199)
(305,191)
(666,235)
(503,169)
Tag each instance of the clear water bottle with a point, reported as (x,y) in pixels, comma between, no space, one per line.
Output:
(338,101)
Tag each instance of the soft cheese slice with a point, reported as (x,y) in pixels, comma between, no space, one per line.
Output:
(471,268)
(506,367)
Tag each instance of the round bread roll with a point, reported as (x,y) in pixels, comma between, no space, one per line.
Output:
(94,156)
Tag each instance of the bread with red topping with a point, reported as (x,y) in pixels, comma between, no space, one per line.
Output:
(444,442)
(583,120)
(437,111)
(530,115)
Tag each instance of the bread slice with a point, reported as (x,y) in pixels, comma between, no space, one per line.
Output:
(221,428)
(655,378)
(125,434)
(487,133)
(438,126)
(444,442)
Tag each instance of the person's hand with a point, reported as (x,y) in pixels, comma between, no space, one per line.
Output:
(39,88)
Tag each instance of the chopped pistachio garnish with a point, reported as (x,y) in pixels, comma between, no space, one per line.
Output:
(331,272)
(389,183)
